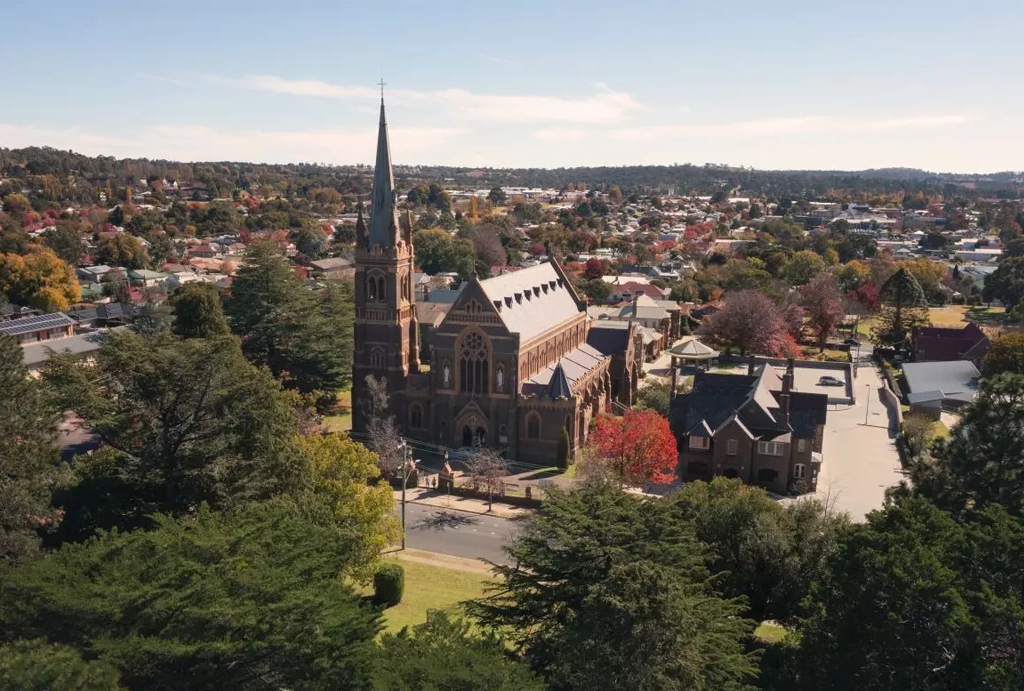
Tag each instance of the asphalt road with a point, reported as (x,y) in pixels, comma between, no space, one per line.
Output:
(457,533)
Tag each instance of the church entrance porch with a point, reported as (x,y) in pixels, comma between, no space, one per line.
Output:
(474,437)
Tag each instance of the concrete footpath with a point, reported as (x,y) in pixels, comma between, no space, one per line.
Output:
(446,561)
(443,501)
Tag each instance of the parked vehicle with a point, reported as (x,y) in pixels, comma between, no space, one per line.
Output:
(851,342)
(830,381)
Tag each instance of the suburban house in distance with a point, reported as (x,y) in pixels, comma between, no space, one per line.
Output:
(754,427)
(942,344)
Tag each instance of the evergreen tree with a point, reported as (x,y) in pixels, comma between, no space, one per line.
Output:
(28,455)
(242,600)
(198,312)
(903,306)
(915,599)
(304,338)
(982,460)
(606,591)
(40,666)
(185,422)
(444,654)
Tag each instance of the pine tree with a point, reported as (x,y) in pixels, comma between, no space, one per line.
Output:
(903,307)
(198,312)
(28,455)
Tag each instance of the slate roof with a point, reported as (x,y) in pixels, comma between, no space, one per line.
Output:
(572,366)
(754,400)
(332,264)
(609,337)
(957,379)
(113,310)
(544,300)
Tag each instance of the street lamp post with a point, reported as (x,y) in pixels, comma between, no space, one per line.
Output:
(405,480)
(867,405)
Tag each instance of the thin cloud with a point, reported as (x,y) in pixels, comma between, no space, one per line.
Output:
(200,143)
(606,107)
(560,134)
(500,61)
(792,125)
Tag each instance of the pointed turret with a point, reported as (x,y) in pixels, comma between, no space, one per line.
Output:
(360,227)
(559,386)
(384,215)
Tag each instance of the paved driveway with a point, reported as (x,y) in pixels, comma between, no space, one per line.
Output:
(860,461)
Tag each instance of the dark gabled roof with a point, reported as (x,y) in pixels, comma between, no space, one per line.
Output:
(610,338)
(557,379)
(113,310)
(753,400)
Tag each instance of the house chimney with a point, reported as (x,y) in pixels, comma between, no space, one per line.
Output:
(787,382)
(636,298)
(784,408)
(789,366)
(751,364)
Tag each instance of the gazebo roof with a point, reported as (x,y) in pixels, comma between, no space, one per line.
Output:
(693,350)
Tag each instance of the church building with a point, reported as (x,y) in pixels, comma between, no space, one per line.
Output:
(515,361)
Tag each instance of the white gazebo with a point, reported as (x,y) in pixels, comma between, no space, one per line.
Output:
(692,351)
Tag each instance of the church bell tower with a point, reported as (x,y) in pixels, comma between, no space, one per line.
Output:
(386,332)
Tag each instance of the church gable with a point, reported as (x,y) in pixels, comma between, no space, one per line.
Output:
(472,306)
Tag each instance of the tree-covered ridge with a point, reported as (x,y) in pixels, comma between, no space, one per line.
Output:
(299,178)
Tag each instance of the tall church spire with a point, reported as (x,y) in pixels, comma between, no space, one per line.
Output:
(384,215)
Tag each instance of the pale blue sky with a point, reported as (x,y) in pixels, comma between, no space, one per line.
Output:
(825,84)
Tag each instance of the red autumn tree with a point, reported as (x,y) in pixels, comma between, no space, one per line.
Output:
(749,321)
(635,449)
(823,304)
(593,269)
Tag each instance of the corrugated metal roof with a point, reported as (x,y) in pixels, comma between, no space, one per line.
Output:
(16,327)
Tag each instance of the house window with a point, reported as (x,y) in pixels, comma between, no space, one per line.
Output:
(770,448)
(801,445)
(799,470)
(473,359)
(732,447)
(532,426)
(700,443)
(416,416)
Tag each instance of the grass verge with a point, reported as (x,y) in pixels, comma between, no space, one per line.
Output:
(429,586)
(770,633)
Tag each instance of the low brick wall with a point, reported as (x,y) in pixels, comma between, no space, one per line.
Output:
(533,502)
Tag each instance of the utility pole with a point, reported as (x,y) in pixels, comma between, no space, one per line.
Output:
(405,481)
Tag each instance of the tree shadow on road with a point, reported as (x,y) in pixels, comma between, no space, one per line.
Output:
(444,520)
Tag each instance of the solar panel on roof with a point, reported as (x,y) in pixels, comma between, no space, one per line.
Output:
(16,327)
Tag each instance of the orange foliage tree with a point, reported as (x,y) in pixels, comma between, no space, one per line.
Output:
(635,449)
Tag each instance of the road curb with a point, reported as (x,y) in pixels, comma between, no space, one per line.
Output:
(452,508)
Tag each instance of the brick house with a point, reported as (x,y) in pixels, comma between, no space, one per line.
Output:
(754,427)
(945,344)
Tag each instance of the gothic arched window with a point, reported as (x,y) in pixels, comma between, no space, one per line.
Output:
(371,288)
(499,378)
(382,294)
(415,416)
(532,425)
(473,364)
(377,358)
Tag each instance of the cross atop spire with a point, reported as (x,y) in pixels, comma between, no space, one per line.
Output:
(382,84)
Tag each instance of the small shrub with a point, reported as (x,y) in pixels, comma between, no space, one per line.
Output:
(974,301)
(388,584)
(563,450)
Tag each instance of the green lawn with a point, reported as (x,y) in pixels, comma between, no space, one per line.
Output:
(939,430)
(431,587)
(341,418)
(770,633)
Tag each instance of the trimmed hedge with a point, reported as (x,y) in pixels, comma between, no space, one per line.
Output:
(388,584)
